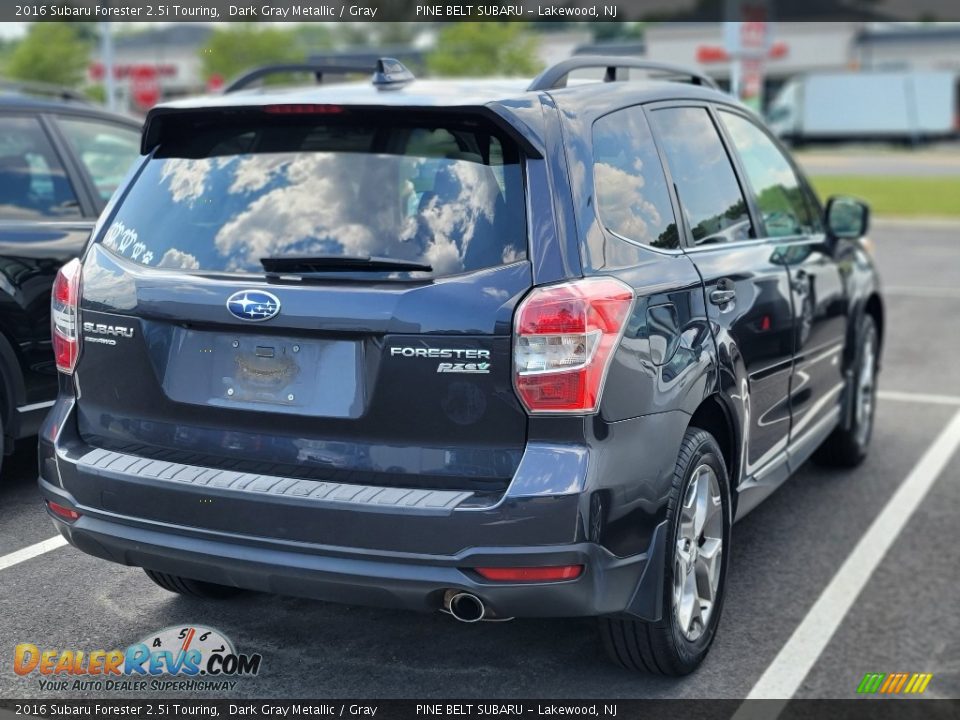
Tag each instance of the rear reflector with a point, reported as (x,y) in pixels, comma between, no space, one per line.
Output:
(64,512)
(64,316)
(531,574)
(564,338)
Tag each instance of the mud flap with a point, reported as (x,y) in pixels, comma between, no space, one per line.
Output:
(647,601)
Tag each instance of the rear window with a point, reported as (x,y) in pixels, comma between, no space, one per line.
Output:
(445,194)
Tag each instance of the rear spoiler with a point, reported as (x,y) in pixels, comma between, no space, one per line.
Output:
(161,121)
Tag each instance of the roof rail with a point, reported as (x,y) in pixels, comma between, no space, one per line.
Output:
(43,89)
(318,69)
(555,76)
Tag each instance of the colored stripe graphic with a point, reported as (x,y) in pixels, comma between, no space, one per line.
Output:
(894,683)
(871,682)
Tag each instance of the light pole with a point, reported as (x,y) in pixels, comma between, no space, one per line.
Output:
(106,53)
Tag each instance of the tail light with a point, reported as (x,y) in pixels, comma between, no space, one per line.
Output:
(65,317)
(565,336)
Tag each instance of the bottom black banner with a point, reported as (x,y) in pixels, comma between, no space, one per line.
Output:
(875,709)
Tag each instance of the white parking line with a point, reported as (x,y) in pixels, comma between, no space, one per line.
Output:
(31,551)
(928,398)
(789,668)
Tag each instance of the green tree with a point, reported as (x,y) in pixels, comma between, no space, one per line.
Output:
(479,49)
(51,52)
(241,46)
(310,38)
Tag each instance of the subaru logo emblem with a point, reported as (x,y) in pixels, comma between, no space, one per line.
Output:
(253,305)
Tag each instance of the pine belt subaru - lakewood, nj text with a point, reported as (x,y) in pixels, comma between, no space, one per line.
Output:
(495,348)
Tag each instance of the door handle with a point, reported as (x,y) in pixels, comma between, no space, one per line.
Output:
(723,293)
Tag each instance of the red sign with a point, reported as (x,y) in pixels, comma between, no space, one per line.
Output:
(97,71)
(145,86)
(215,83)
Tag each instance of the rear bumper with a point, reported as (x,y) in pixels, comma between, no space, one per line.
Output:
(356,552)
(607,585)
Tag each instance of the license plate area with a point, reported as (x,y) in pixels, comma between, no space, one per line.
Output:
(265,370)
(266,373)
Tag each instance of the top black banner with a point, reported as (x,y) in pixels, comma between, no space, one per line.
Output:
(441,11)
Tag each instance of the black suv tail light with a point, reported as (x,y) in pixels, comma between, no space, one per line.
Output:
(65,316)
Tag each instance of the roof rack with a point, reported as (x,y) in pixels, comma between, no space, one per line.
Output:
(555,76)
(319,70)
(43,90)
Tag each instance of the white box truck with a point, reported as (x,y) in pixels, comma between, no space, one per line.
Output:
(832,106)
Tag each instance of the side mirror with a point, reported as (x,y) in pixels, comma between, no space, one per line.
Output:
(847,217)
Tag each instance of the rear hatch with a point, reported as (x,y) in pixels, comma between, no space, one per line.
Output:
(320,293)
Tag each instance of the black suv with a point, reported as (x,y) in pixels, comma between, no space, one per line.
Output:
(60,160)
(481,347)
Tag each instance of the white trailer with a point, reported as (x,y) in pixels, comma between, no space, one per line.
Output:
(911,106)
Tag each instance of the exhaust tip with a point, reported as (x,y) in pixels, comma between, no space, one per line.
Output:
(467,607)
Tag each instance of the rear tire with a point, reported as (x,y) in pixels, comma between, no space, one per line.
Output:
(697,548)
(192,588)
(847,447)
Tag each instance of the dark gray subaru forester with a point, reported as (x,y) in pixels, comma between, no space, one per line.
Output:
(496,349)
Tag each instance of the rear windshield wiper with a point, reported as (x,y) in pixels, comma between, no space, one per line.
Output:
(303,264)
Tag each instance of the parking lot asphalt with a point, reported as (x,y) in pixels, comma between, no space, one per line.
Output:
(783,556)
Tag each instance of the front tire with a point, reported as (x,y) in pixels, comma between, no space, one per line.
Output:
(847,446)
(192,588)
(698,515)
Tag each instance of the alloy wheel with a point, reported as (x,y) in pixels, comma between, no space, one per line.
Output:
(866,378)
(698,553)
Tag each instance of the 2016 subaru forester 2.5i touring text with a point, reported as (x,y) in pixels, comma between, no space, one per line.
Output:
(488,348)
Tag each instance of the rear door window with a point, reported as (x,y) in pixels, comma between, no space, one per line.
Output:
(445,194)
(33,183)
(632,196)
(709,194)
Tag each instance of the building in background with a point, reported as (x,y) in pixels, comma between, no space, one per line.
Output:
(799,48)
(164,62)
(909,47)
(155,64)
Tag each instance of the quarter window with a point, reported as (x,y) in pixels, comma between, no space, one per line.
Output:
(710,197)
(632,196)
(33,184)
(781,199)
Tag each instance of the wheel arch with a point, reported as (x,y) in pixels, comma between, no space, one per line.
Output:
(874,308)
(716,418)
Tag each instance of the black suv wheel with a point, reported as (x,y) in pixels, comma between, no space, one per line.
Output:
(695,572)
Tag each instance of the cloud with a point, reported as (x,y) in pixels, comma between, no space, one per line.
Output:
(178,259)
(625,207)
(348,204)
